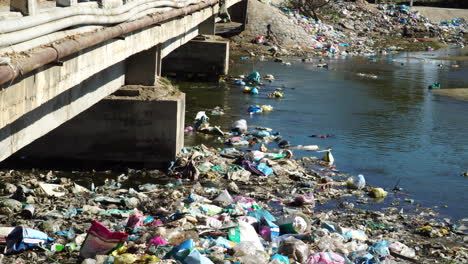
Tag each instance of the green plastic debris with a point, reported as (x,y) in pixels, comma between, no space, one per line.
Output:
(379,226)
(218,169)
(57,248)
(434,86)
(116,212)
(234,234)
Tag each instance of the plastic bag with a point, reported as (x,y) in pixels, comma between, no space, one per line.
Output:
(294,248)
(355,235)
(325,258)
(22,238)
(254,109)
(358,182)
(125,258)
(402,249)
(225,197)
(135,219)
(296,223)
(261,169)
(247,253)
(248,234)
(380,249)
(378,193)
(239,126)
(195,257)
(304,199)
(100,240)
(156,241)
(279,258)
(253,77)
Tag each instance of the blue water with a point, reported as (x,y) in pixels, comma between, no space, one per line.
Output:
(390,128)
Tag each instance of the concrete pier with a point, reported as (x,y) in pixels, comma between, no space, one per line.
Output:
(144,68)
(141,125)
(192,61)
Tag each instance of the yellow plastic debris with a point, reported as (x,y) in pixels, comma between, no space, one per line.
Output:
(125,258)
(149,259)
(266,108)
(119,251)
(378,193)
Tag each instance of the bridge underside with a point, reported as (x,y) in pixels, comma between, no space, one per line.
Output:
(50,96)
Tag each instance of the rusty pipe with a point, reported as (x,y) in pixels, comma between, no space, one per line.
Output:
(56,51)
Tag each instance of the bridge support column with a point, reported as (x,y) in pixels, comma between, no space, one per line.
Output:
(198,59)
(207,27)
(144,68)
(26,7)
(141,126)
(66,3)
(238,13)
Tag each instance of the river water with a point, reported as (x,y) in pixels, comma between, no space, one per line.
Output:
(390,129)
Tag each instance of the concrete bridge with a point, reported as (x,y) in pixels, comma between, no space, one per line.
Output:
(44,85)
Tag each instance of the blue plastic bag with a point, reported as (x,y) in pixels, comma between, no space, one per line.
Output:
(22,238)
(195,257)
(262,213)
(281,258)
(263,167)
(253,77)
(380,249)
(254,109)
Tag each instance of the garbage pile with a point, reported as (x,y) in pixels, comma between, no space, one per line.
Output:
(238,211)
(356,28)
(249,202)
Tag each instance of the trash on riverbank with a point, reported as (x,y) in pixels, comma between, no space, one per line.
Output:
(350,28)
(245,205)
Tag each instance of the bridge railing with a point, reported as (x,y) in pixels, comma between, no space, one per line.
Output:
(110,12)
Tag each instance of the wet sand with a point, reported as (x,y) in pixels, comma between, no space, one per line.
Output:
(458,93)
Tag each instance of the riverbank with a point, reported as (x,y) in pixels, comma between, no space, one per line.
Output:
(222,197)
(341,30)
(457,93)
(205,198)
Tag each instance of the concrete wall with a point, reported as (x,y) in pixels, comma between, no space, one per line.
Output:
(193,60)
(146,132)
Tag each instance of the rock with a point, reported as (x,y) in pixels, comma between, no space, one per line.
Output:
(8,188)
(232,187)
(11,204)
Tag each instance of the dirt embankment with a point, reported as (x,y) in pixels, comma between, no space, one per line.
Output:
(458,93)
(438,14)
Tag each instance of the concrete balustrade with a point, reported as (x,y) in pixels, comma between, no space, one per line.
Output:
(26,7)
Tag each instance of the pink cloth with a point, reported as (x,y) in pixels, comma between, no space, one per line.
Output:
(157,223)
(325,258)
(135,220)
(156,241)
